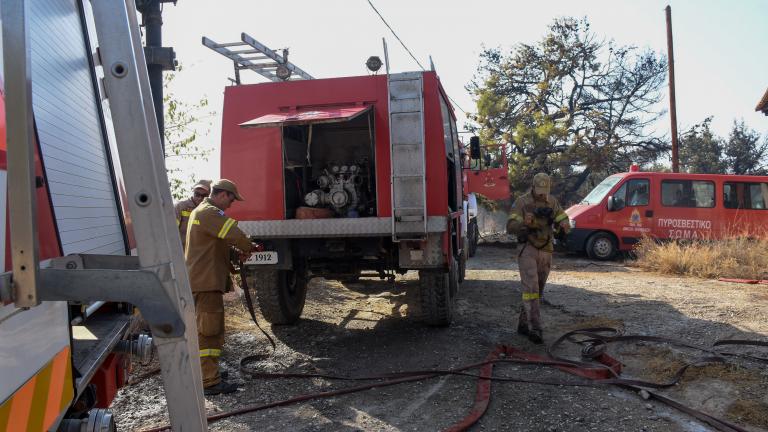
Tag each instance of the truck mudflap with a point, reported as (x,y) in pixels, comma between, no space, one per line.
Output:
(336,227)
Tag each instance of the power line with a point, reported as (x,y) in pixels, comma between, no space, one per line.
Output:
(395,35)
(409,51)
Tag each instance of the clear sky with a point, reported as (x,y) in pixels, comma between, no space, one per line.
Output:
(721,65)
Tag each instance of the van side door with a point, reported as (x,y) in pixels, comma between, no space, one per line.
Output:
(631,216)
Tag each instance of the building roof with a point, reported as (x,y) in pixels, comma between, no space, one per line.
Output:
(763,104)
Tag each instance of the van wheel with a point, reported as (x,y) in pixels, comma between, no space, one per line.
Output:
(435,297)
(601,246)
(280,294)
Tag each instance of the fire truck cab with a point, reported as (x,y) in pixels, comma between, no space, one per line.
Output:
(343,176)
(625,207)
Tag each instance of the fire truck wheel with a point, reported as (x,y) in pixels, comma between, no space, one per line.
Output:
(473,234)
(435,297)
(280,294)
(454,277)
(463,265)
(601,246)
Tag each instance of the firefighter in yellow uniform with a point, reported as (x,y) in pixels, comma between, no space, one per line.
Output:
(210,234)
(183,209)
(535,218)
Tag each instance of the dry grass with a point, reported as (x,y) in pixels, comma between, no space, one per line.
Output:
(733,258)
(753,412)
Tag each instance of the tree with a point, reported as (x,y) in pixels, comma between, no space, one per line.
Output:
(184,124)
(571,105)
(744,153)
(701,152)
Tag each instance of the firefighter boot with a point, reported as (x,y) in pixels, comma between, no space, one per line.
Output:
(534,335)
(222,387)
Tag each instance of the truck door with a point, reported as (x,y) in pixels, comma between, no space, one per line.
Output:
(632,216)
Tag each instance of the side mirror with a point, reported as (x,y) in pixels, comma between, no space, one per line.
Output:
(474,147)
(615,204)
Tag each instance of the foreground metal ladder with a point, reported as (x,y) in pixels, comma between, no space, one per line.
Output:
(258,58)
(156,280)
(406,138)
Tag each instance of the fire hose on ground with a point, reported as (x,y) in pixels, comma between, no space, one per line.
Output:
(597,369)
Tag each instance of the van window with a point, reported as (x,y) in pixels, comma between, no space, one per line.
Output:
(601,190)
(688,193)
(750,196)
(632,193)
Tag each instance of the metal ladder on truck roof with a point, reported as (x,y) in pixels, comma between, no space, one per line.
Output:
(408,163)
(258,58)
(156,280)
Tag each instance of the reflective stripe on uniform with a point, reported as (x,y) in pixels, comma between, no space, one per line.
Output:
(186,213)
(515,217)
(178,222)
(41,400)
(195,222)
(561,218)
(530,296)
(210,352)
(226,227)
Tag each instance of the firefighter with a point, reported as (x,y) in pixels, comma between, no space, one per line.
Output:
(536,218)
(184,208)
(210,235)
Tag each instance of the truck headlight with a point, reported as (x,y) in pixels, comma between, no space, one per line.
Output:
(572,223)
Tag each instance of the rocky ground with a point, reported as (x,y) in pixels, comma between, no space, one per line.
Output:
(366,328)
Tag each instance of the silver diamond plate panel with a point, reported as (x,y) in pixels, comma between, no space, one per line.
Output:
(339,227)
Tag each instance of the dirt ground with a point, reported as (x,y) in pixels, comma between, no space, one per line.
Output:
(366,328)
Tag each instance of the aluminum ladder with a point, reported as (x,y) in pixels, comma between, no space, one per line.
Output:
(259,58)
(408,162)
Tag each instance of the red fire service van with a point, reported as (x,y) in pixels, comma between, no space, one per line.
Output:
(625,207)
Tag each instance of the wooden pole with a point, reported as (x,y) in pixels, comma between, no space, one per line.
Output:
(672,102)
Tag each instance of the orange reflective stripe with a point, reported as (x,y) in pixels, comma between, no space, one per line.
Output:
(21,405)
(40,401)
(5,413)
(60,368)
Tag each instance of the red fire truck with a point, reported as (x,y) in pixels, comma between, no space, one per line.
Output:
(485,173)
(627,206)
(346,175)
(76,262)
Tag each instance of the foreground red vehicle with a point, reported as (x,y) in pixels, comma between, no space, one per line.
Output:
(627,206)
(347,175)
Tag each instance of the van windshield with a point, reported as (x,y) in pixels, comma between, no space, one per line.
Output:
(601,190)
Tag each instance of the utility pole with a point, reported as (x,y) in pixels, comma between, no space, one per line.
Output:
(672,102)
(159,58)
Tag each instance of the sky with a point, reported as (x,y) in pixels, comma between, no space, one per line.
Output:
(721,68)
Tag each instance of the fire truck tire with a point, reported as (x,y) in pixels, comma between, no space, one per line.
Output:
(435,297)
(280,294)
(463,265)
(601,246)
(473,234)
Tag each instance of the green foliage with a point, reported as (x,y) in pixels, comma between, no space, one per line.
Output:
(701,152)
(184,124)
(570,105)
(486,202)
(744,153)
